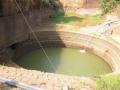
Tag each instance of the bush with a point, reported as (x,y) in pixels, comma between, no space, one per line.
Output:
(109,5)
(108,83)
(56,15)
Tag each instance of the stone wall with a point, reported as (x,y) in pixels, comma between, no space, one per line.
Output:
(101,47)
(13,29)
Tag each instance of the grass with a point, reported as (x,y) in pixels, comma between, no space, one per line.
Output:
(108,83)
(75,19)
(60,18)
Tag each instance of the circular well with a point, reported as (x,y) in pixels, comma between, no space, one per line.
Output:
(69,61)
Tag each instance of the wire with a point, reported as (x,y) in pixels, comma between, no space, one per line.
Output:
(33,33)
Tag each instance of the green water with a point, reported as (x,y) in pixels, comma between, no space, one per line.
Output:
(65,61)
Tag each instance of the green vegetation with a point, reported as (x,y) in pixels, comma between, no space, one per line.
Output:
(75,19)
(108,83)
(52,3)
(109,5)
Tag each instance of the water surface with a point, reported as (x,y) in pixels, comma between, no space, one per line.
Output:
(65,61)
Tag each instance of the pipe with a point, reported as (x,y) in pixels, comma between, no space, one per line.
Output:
(17,84)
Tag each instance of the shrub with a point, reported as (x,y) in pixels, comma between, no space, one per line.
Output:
(109,5)
(108,83)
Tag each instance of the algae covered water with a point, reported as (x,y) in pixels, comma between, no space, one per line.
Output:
(69,61)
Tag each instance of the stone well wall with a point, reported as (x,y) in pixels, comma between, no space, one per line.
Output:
(51,81)
(100,47)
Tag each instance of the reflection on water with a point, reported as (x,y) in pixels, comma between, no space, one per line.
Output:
(66,61)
